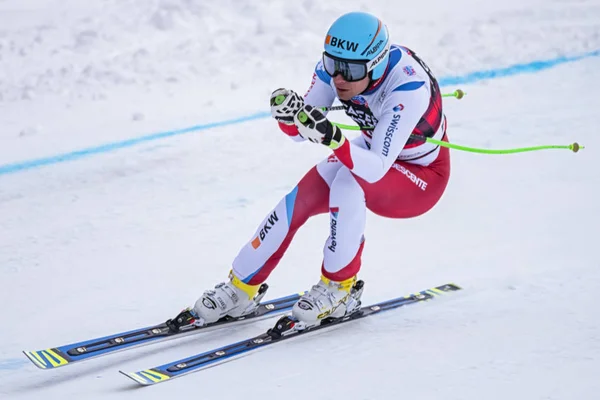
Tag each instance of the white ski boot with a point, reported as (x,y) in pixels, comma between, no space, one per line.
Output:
(327,299)
(228,299)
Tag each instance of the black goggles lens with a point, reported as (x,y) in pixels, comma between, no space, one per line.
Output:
(351,71)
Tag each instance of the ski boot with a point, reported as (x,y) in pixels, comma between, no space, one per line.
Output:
(231,299)
(327,300)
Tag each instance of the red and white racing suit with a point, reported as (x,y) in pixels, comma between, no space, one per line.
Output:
(390,170)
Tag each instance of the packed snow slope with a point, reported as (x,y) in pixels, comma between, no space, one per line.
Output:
(114,216)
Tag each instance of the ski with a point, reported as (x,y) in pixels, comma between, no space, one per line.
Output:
(56,357)
(283,330)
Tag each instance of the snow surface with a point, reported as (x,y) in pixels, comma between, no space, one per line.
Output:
(128,237)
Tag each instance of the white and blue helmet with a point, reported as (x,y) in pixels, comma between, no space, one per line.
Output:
(356,44)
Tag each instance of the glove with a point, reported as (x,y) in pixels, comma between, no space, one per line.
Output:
(285,104)
(313,125)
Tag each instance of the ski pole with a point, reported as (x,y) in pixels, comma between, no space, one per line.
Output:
(575,147)
(458,94)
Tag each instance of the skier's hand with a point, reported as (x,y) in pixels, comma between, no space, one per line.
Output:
(314,126)
(285,104)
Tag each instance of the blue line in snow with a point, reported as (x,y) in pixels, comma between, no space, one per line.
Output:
(105,148)
(12,364)
(531,67)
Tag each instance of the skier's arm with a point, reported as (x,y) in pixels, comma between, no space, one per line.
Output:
(404,109)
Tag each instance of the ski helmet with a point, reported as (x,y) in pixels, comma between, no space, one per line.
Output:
(357,38)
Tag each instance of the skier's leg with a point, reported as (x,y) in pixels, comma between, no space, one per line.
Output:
(336,294)
(406,191)
(347,213)
(257,259)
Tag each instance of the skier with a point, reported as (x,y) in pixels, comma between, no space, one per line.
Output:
(390,169)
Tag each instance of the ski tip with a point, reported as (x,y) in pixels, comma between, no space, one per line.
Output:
(38,363)
(137,379)
(46,359)
(147,377)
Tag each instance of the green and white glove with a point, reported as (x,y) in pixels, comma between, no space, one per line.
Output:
(285,104)
(314,126)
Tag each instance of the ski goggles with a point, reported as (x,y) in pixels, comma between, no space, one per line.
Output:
(351,70)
